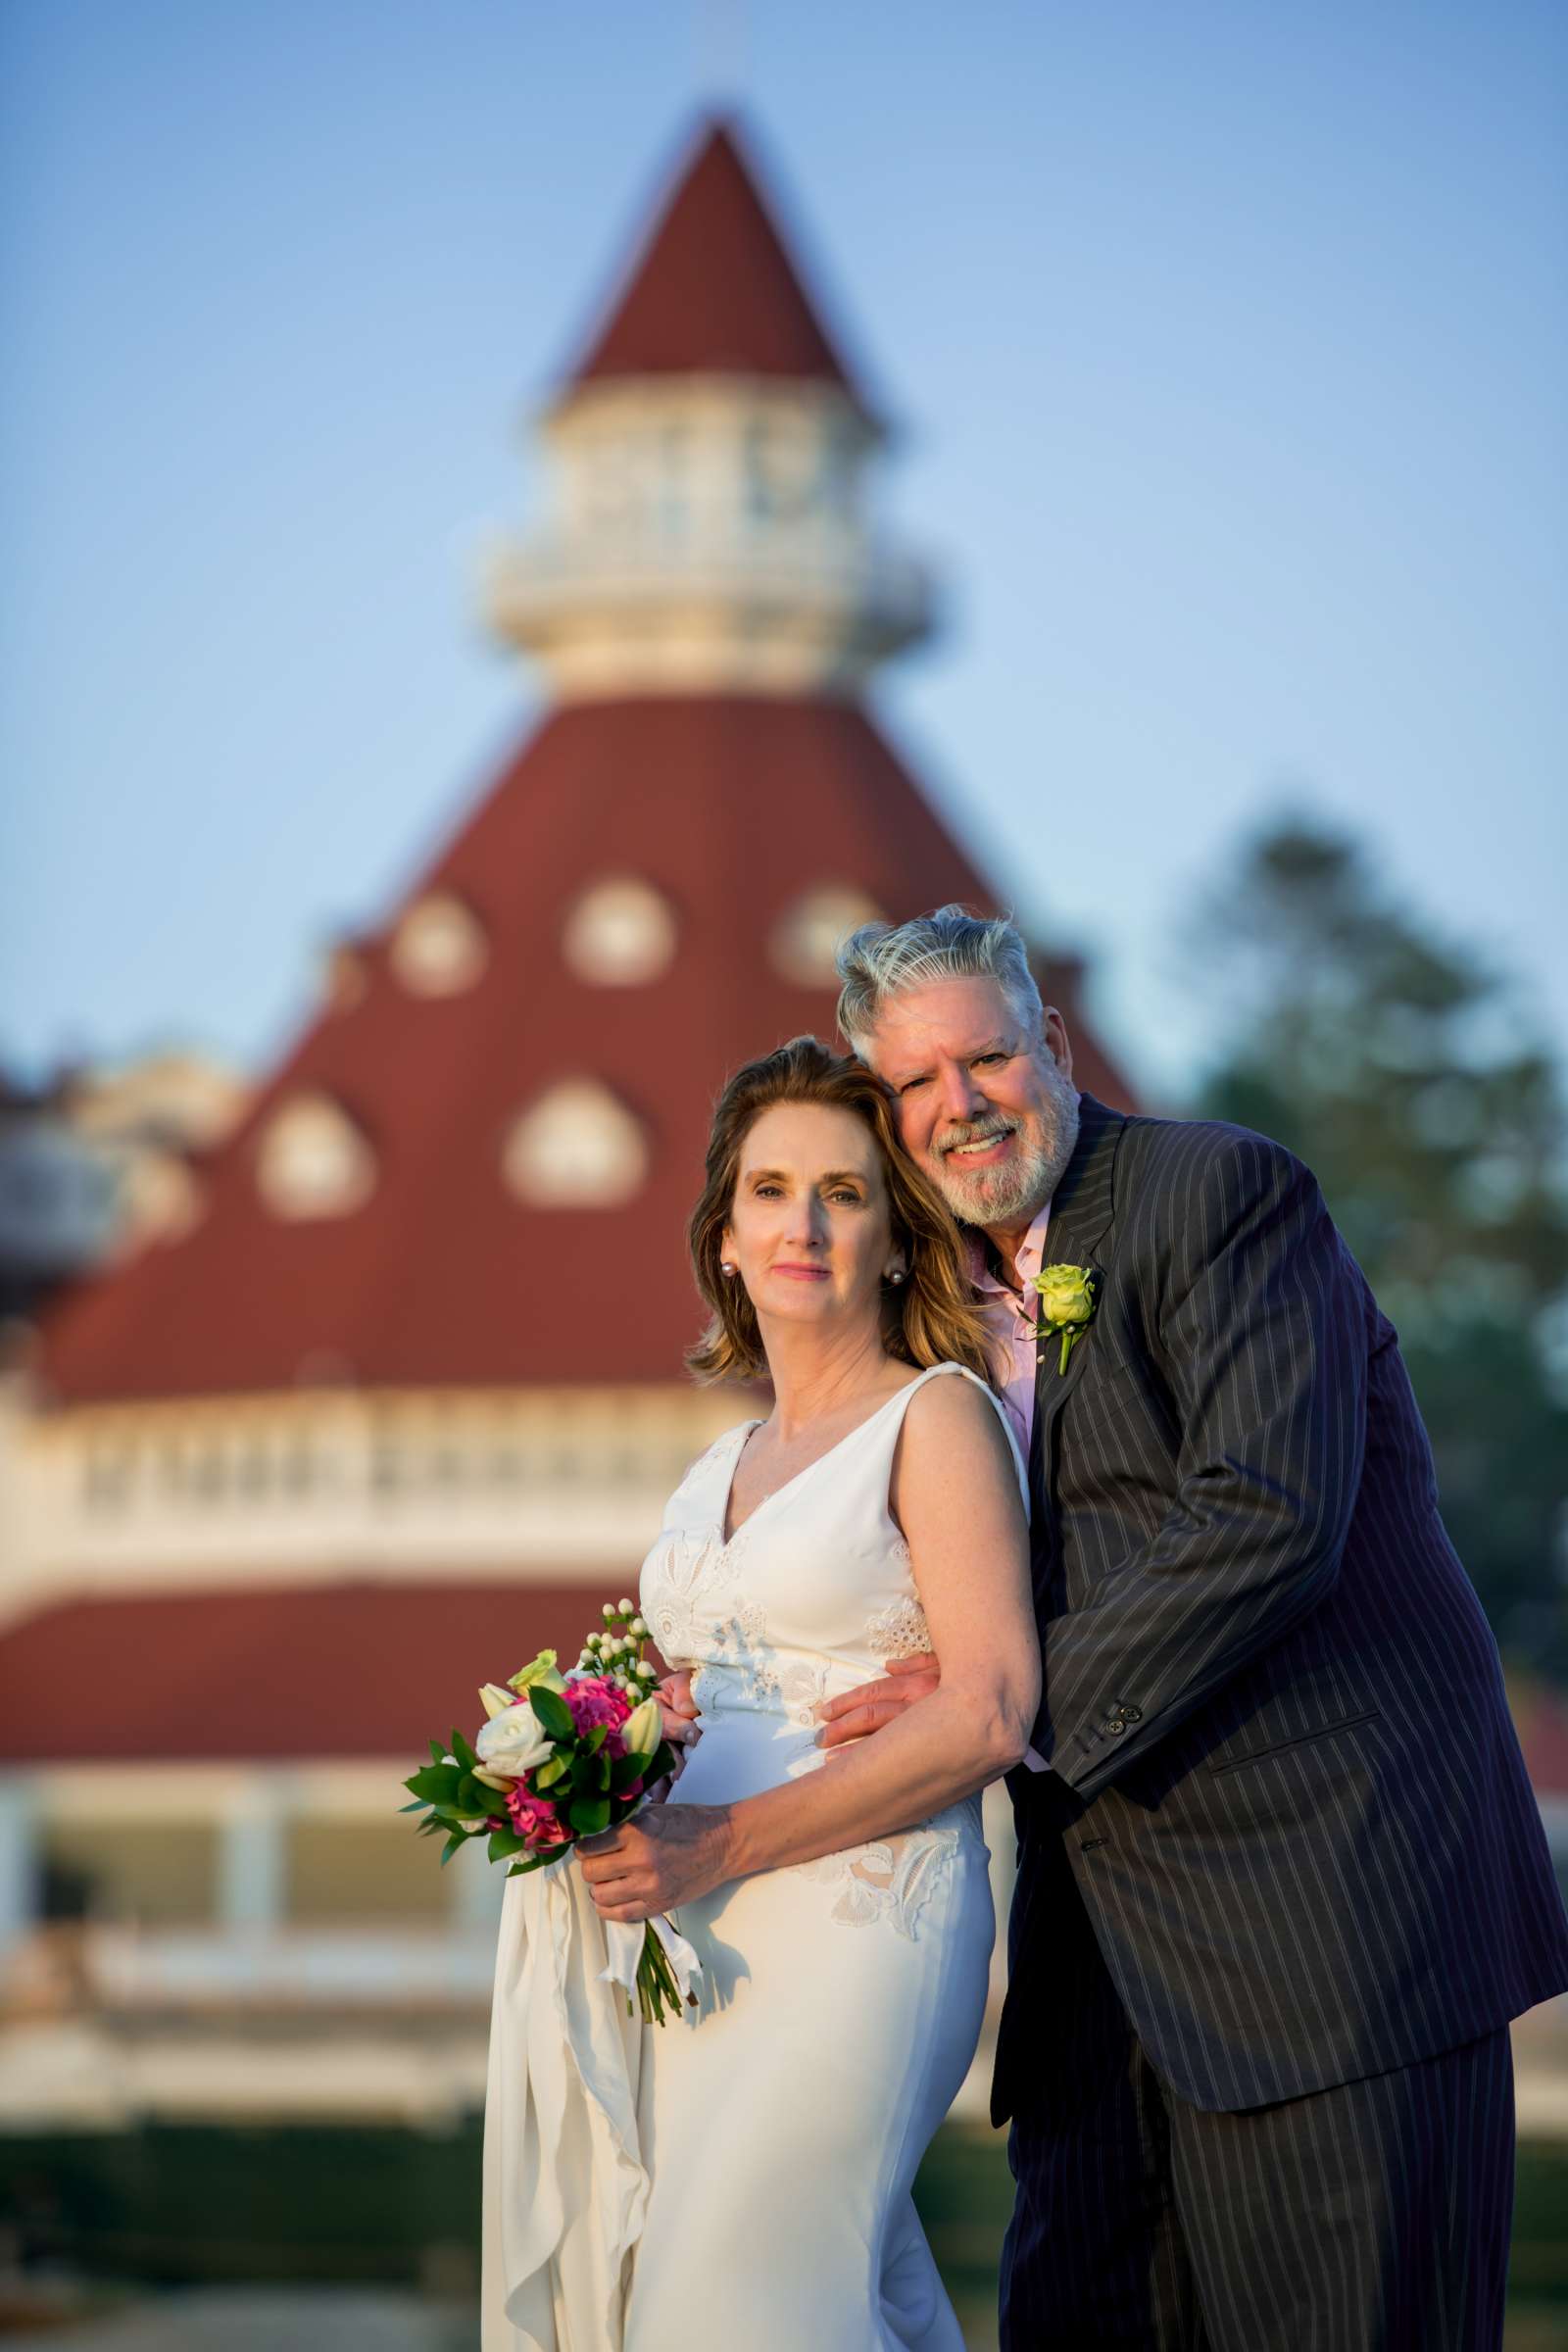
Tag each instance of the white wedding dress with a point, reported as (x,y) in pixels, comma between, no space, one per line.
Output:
(781,2124)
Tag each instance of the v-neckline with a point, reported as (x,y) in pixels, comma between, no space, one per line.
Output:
(805,1468)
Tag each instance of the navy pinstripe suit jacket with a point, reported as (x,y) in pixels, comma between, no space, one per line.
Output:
(1286,1781)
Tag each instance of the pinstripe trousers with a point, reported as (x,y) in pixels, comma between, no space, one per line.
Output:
(1372,2217)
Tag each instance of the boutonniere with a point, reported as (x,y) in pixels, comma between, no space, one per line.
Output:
(1066,1306)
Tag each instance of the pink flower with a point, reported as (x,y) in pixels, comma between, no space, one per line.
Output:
(535,1820)
(593,1701)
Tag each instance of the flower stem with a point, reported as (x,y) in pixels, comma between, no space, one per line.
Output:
(656,1988)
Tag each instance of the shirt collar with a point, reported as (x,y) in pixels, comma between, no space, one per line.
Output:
(1030,1258)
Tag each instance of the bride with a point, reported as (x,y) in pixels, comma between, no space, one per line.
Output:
(842,1917)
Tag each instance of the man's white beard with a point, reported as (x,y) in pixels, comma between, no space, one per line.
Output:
(1020,1186)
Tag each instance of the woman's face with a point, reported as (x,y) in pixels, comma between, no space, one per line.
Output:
(808,1230)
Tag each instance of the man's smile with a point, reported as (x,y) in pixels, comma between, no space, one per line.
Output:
(981,1150)
(981,1155)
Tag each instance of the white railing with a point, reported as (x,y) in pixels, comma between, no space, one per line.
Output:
(549,572)
(198,1967)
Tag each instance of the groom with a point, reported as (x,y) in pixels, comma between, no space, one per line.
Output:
(1282,1880)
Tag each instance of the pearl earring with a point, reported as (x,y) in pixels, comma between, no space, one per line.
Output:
(897,1277)
(724,1266)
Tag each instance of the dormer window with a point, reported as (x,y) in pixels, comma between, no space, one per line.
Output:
(620,933)
(808,933)
(313,1162)
(345,975)
(576,1148)
(439,947)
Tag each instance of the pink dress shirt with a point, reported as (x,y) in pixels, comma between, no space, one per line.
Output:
(1012,1341)
(1013,1344)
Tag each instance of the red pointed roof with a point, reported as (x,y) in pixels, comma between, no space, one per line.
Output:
(732,808)
(713,289)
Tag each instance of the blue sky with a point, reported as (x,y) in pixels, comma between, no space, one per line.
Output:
(1230,343)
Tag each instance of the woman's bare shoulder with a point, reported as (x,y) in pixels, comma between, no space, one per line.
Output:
(954,1414)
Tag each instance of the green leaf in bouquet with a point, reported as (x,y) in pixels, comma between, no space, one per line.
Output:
(534,1862)
(603,1766)
(454,1816)
(418,1805)
(438,1754)
(552,1711)
(552,1770)
(504,1843)
(436,1784)
(463,1751)
(596,1738)
(588,1815)
(474,1797)
(457,1838)
(624,1769)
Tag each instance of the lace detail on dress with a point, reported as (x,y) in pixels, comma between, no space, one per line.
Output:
(799,1687)
(890,1878)
(899,1630)
(685,1564)
(672,1579)
(739,1657)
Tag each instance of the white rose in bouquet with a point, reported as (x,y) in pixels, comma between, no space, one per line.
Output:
(512,1743)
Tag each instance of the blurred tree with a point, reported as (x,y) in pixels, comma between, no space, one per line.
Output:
(1401,1069)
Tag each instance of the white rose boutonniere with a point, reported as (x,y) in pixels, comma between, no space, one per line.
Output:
(1066,1306)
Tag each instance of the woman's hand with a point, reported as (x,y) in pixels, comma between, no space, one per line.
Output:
(678,1711)
(659,1858)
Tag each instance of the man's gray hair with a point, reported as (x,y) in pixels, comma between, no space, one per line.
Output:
(882,959)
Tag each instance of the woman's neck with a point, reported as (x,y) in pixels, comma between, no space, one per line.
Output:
(816,1373)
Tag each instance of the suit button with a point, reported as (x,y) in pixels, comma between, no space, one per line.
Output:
(1114,1724)
(1086,1846)
(1133,1714)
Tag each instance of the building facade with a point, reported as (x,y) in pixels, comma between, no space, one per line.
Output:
(394,1391)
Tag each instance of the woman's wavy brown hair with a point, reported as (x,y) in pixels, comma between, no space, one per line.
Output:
(932,1317)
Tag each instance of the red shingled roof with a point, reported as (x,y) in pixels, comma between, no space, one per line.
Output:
(730,808)
(713,290)
(364,1670)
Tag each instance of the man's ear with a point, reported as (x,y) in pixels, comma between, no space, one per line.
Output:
(1057,1043)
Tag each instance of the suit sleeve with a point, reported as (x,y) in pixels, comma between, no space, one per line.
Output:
(1263,1343)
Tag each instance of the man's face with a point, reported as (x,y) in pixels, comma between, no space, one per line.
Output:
(985,1105)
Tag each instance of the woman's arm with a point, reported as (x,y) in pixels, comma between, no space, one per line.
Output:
(955,1494)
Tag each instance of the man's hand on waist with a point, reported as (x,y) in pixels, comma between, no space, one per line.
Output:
(872,1706)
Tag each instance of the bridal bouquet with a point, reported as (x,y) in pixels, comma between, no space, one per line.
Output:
(559,1757)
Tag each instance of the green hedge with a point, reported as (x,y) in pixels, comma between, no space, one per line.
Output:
(180,2206)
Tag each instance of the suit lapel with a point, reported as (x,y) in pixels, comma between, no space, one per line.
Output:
(1082,1209)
